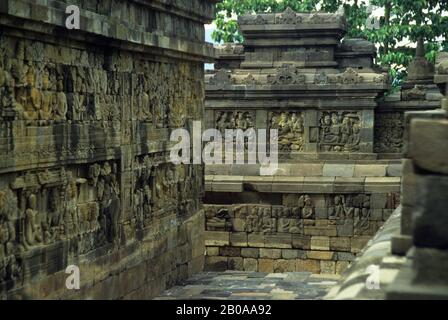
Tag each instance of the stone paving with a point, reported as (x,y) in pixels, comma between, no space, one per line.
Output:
(239,285)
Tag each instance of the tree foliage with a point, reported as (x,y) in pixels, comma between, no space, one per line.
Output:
(400,26)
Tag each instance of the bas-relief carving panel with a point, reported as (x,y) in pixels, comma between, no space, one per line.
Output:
(62,103)
(304,210)
(72,109)
(335,131)
(389,130)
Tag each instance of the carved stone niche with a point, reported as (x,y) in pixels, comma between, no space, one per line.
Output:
(290,126)
(339,131)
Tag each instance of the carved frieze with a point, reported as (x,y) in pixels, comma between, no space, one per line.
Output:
(234,120)
(340,131)
(290,130)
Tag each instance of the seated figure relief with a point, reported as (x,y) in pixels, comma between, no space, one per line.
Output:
(290,130)
(340,132)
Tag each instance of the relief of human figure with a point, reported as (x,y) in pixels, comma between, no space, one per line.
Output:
(307,207)
(33,232)
(60,107)
(32,107)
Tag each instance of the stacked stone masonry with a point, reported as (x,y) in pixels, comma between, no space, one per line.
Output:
(85,120)
(340,141)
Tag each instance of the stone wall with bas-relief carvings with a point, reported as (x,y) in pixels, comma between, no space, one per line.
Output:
(318,233)
(85,176)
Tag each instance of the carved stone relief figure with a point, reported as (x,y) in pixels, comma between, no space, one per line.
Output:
(234,120)
(306,204)
(8,211)
(33,231)
(290,130)
(339,131)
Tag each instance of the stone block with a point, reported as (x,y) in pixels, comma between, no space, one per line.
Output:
(401,244)
(238,239)
(301,241)
(270,253)
(430,218)
(217,238)
(428,146)
(307,265)
(230,251)
(341,266)
(235,263)
(327,267)
(279,240)
(307,169)
(320,243)
(250,264)
(338,170)
(430,266)
(266,265)
(409,184)
(359,243)
(340,244)
(370,170)
(215,263)
(293,254)
(330,231)
(281,266)
(320,255)
(212,251)
(255,240)
(250,252)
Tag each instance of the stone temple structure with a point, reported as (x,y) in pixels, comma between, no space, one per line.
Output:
(85,121)
(87,183)
(340,144)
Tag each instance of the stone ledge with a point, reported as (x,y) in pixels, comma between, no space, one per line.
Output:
(97,25)
(293,184)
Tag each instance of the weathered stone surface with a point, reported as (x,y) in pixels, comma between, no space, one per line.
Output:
(428,147)
(270,253)
(250,252)
(266,265)
(430,218)
(250,264)
(84,162)
(320,243)
(312,266)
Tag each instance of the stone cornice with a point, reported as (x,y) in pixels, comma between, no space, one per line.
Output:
(51,21)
